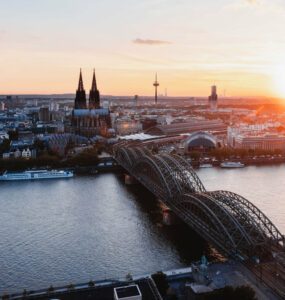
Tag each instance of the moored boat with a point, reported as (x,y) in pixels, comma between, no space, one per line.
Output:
(36,175)
(206,165)
(231,164)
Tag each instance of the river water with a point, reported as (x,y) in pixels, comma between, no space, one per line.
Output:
(70,231)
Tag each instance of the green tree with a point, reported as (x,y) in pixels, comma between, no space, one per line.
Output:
(161,282)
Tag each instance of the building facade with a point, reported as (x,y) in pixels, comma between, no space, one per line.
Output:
(89,120)
(266,142)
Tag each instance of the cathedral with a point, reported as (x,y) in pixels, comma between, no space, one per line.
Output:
(89,120)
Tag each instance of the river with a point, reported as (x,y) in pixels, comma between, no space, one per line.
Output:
(94,227)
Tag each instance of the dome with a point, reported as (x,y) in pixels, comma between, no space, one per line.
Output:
(200,139)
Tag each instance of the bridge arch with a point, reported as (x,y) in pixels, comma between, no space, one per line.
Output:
(254,221)
(228,220)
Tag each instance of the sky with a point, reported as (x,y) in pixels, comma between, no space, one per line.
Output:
(239,45)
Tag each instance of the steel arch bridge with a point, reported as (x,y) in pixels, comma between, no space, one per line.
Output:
(231,223)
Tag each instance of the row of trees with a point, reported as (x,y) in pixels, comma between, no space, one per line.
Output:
(220,153)
(88,157)
(162,284)
(240,292)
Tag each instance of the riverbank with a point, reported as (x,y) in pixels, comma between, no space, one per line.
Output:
(258,161)
(183,282)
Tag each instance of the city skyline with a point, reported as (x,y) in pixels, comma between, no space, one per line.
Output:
(43,46)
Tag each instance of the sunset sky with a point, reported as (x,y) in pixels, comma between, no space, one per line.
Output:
(237,44)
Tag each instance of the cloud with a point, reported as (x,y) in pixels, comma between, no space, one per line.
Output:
(151,42)
(262,6)
(245,3)
(252,1)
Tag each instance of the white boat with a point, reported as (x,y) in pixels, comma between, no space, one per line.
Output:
(230,164)
(206,166)
(36,175)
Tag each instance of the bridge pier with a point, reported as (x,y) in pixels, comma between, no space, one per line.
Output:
(169,218)
(130,180)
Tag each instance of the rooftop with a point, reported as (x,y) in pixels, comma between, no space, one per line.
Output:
(127,291)
(188,127)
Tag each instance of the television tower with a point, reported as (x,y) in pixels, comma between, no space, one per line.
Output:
(156,84)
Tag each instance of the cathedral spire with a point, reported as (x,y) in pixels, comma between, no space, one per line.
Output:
(80,83)
(94,84)
(94,95)
(80,99)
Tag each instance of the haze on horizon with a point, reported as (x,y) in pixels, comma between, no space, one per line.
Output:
(237,44)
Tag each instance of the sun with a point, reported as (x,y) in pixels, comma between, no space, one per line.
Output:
(279,80)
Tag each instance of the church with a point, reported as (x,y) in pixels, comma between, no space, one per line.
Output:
(89,120)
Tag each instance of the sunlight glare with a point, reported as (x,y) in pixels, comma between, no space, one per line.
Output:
(279,80)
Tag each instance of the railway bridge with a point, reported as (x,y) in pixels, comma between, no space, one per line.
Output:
(229,222)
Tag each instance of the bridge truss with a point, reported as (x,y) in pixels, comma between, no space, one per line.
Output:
(231,223)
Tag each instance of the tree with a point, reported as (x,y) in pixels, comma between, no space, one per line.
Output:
(129,277)
(195,155)
(70,286)
(86,158)
(241,292)
(50,289)
(5,146)
(25,293)
(39,144)
(277,151)
(13,135)
(161,282)
(154,150)
(91,283)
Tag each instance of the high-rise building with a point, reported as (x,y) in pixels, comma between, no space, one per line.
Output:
(51,106)
(136,100)
(80,99)
(44,114)
(94,95)
(2,106)
(156,84)
(56,107)
(213,98)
